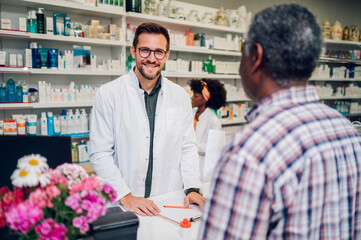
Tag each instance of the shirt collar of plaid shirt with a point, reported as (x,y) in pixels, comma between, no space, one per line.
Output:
(292,95)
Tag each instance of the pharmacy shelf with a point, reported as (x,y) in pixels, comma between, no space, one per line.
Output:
(238,99)
(204,50)
(4,106)
(77,135)
(14,70)
(338,97)
(340,61)
(70,7)
(69,39)
(89,41)
(233,122)
(327,79)
(199,75)
(340,42)
(201,50)
(354,114)
(84,72)
(180,22)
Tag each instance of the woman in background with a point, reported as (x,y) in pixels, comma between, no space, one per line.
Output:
(208,95)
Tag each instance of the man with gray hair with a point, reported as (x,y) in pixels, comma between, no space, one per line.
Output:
(294,171)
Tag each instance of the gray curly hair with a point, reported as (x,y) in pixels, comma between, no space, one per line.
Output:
(291,40)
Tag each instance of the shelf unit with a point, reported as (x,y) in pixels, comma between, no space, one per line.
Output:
(327,79)
(179,22)
(44,105)
(235,121)
(69,6)
(77,8)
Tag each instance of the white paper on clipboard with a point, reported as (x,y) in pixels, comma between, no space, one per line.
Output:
(215,144)
(177,214)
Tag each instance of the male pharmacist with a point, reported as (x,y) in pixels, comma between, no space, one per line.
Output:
(142,140)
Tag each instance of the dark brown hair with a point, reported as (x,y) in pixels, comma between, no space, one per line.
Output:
(152,28)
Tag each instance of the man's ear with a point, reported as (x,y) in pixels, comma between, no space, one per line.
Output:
(132,51)
(257,54)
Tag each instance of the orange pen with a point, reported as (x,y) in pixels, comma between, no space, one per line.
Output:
(167,206)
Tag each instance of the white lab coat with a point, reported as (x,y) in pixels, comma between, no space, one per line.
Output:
(119,138)
(207,120)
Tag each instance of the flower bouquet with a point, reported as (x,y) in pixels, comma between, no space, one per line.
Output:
(49,203)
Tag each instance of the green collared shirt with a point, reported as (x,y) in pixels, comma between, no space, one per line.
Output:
(150,105)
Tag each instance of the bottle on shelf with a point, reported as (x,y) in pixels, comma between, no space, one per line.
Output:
(19,93)
(50,120)
(133,6)
(74,152)
(171,8)
(3,95)
(10,87)
(162,9)
(190,38)
(40,21)
(129,34)
(33,28)
(43,124)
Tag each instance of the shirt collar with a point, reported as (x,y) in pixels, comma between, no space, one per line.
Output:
(135,82)
(289,96)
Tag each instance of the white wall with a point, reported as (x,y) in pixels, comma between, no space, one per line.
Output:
(346,11)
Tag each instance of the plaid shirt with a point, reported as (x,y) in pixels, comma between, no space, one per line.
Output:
(293,172)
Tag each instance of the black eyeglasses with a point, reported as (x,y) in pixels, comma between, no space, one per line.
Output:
(158,54)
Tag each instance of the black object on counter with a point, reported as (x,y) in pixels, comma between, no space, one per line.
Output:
(116,224)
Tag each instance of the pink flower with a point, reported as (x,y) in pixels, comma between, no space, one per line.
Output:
(81,223)
(23,216)
(73,201)
(52,191)
(57,178)
(40,198)
(49,229)
(109,190)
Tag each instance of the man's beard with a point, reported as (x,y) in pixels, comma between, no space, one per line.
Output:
(147,76)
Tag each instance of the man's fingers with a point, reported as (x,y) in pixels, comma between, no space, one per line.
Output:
(146,210)
(186,201)
(139,212)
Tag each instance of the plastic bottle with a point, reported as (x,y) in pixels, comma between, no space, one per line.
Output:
(25,92)
(70,124)
(19,93)
(190,38)
(10,89)
(129,34)
(74,152)
(32,22)
(40,21)
(57,125)
(77,124)
(43,124)
(83,121)
(185,230)
(63,125)
(3,95)
(171,8)
(162,8)
(50,124)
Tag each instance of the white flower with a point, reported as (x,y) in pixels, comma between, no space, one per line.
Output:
(33,163)
(44,179)
(24,178)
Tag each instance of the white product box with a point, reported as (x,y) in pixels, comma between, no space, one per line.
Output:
(5,23)
(12,60)
(22,24)
(2,58)
(28,59)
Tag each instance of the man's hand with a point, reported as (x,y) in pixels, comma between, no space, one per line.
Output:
(196,198)
(139,205)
